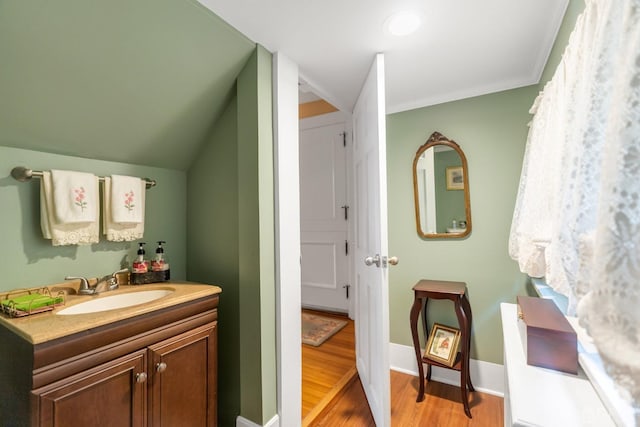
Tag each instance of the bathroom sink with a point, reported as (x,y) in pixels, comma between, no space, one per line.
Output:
(456,230)
(113,302)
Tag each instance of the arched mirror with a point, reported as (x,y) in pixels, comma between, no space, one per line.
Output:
(441,189)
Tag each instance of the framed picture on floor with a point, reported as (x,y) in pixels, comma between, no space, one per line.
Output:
(442,345)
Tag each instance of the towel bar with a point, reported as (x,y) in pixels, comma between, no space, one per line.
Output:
(23,174)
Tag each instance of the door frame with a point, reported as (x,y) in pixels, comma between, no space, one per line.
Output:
(287,241)
(287,237)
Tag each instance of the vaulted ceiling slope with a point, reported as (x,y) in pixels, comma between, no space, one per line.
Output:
(129,81)
(143,81)
(464,48)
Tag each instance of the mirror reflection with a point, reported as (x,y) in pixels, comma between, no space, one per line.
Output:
(441,189)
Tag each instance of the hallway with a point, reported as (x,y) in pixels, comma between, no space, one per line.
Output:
(327,369)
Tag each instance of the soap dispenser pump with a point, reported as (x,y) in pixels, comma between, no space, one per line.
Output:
(140,265)
(160,262)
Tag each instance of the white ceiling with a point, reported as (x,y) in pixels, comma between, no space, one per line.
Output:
(464,48)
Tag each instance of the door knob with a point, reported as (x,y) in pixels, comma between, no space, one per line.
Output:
(141,377)
(370,260)
(391,260)
(161,367)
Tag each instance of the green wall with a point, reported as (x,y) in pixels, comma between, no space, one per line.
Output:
(27,259)
(256,240)
(212,248)
(231,241)
(492,131)
(115,80)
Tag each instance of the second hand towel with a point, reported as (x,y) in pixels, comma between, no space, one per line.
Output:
(120,232)
(127,200)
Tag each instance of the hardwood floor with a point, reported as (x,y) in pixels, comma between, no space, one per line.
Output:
(440,408)
(332,395)
(327,369)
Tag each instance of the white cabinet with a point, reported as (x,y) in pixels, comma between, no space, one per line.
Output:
(543,397)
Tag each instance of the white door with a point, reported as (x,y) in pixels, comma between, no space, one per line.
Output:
(372,281)
(324,217)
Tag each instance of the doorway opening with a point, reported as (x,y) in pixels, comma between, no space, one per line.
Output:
(324,154)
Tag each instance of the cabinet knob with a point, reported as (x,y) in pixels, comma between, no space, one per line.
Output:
(141,377)
(161,367)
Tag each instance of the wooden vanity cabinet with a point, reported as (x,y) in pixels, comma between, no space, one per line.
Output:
(181,387)
(157,369)
(109,394)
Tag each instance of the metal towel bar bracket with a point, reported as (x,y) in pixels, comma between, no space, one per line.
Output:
(23,174)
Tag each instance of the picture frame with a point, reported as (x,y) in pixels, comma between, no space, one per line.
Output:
(442,345)
(455,178)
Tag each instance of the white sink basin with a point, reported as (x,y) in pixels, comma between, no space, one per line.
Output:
(456,230)
(113,302)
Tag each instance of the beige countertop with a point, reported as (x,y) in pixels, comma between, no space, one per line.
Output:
(47,326)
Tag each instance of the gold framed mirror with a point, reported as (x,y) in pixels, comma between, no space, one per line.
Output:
(441,189)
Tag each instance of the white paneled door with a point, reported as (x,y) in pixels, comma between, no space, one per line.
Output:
(371,248)
(324,217)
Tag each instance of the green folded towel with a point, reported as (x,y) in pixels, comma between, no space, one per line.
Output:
(31,302)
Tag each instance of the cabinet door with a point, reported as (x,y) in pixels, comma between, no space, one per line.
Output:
(112,394)
(183,377)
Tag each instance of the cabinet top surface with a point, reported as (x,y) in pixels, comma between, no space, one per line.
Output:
(43,327)
(544,397)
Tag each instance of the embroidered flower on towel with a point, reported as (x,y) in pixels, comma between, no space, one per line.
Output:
(128,201)
(79,198)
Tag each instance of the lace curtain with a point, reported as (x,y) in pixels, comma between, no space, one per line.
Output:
(577,215)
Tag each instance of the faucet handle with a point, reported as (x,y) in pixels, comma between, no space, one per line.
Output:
(123,270)
(84,283)
(112,283)
(117,281)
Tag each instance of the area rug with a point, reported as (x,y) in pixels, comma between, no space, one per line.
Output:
(317,329)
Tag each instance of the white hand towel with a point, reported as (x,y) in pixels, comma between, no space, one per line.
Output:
(121,232)
(75,197)
(63,234)
(127,199)
(46,211)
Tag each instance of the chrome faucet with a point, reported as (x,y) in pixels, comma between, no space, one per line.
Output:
(84,288)
(109,281)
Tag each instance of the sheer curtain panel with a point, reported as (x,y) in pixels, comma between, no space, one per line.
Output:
(577,215)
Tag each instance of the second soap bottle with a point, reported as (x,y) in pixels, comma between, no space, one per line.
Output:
(160,262)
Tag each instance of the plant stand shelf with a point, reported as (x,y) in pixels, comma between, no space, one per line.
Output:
(456,292)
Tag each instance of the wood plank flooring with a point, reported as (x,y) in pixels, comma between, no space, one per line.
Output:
(441,407)
(327,369)
(332,394)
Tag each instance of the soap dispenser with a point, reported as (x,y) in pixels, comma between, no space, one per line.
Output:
(160,262)
(140,265)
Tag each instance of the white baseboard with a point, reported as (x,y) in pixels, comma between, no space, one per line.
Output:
(243,422)
(324,308)
(486,377)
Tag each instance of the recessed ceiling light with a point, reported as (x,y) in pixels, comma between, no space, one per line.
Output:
(403,23)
